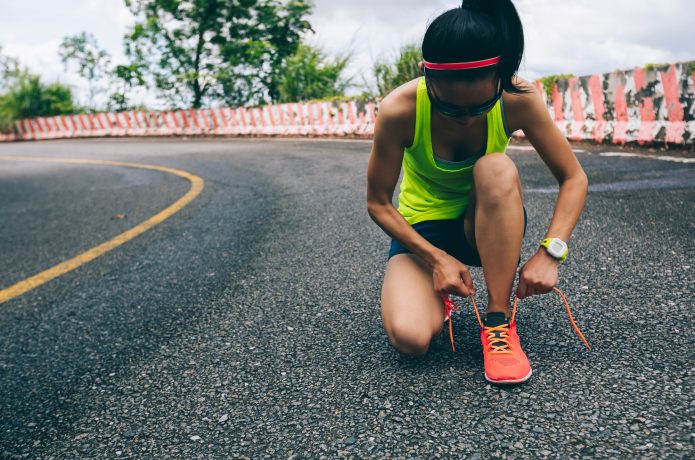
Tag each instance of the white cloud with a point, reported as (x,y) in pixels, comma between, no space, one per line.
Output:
(563,36)
(32,32)
(39,56)
(372,29)
(592,36)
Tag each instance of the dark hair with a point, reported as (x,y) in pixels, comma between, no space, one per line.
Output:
(478,29)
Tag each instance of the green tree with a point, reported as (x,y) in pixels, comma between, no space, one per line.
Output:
(126,77)
(28,97)
(10,71)
(195,51)
(23,95)
(93,63)
(390,75)
(309,74)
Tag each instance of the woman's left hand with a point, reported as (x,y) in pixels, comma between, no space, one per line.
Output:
(538,275)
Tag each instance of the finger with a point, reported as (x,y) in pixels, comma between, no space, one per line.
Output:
(460,289)
(463,291)
(521,290)
(467,280)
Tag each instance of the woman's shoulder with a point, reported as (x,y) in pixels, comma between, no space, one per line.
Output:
(518,107)
(398,111)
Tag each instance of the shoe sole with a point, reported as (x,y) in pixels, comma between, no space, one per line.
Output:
(510,382)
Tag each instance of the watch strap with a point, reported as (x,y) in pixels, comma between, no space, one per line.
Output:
(546,243)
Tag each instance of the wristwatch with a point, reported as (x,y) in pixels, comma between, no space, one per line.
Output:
(556,248)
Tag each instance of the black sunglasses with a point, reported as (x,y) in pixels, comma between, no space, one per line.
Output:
(455,111)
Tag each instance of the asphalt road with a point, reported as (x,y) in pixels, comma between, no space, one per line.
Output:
(247,325)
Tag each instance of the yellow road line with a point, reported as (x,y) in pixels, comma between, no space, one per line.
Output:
(37,280)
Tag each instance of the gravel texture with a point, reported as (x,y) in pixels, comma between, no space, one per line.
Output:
(248,324)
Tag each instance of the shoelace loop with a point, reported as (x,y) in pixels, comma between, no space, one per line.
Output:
(450,307)
(494,340)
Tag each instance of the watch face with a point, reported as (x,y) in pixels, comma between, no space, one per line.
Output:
(556,248)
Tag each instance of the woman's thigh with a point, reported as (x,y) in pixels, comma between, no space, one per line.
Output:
(411,310)
(469,218)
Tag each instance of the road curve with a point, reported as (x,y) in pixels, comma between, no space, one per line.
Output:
(247,325)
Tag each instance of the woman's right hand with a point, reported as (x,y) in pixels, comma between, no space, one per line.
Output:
(452,277)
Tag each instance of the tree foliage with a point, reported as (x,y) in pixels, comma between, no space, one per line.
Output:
(124,78)
(549,83)
(194,51)
(390,75)
(26,96)
(10,71)
(93,63)
(309,74)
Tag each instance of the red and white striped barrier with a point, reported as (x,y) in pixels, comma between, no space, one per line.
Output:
(648,106)
(348,118)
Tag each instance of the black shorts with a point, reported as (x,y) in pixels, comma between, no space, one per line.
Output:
(447,235)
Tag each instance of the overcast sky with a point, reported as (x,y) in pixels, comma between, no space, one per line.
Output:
(563,36)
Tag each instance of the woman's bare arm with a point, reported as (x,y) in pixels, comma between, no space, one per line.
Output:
(393,132)
(391,135)
(531,115)
(556,153)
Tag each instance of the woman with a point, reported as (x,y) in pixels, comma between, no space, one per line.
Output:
(460,201)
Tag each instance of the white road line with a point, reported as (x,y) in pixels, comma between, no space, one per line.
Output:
(650,157)
(307,139)
(523,148)
(528,148)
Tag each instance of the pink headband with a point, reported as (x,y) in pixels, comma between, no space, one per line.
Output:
(463,65)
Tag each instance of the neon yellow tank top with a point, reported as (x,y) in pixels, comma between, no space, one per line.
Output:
(430,191)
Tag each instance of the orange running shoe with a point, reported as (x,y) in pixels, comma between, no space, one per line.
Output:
(505,362)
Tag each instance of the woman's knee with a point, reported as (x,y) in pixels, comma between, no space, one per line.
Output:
(409,338)
(496,177)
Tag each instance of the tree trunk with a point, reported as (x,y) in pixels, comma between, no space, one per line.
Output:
(197,89)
